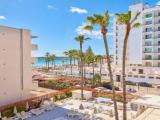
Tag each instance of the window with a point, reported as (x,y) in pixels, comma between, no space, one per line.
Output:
(116,27)
(148,22)
(129,75)
(148,36)
(148,29)
(140,71)
(142,76)
(150,77)
(136,76)
(148,15)
(116,51)
(148,64)
(148,43)
(133,69)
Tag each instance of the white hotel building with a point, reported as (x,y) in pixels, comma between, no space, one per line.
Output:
(143,52)
(15,64)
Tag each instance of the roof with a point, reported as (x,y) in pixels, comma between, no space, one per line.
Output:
(84,91)
(152,101)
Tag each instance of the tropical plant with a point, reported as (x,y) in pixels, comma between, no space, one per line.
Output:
(90,58)
(129,22)
(52,59)
(99,60)
(47,59)
(81,39)
(66,57)
(103,21)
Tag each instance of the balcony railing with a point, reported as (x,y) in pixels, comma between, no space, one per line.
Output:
(148,45)
(156,51)
(147,58)
(156,58)
(147,51)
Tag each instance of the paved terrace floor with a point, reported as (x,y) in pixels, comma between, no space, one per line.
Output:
(150,114)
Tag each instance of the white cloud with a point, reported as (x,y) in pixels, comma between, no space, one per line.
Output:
(78,10)
(2,18)
(94,33)
(50,7)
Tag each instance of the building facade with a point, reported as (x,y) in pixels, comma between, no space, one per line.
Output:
(143,50)
(15,64)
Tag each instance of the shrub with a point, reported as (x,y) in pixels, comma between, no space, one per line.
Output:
(8,112)
(21,108)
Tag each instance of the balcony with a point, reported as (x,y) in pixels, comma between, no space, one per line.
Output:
(156,58)
(156,44)
(156,51)
(34,47)
(147,58)
(147,45)
(147,51)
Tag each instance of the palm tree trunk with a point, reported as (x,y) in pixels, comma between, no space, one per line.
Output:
(100,71)
(74,61)
(71,64)
(81,69)
(54,65)
(93,69)
(110,72)
(123,71)
(48,65)
(84,67)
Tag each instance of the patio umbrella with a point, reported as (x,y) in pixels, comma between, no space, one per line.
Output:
(27,106)
(81,107)
(95,111)
(15,110)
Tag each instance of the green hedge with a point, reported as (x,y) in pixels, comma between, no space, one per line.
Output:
(8,112)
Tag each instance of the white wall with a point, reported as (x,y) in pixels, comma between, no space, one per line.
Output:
(135,38)
(10,72)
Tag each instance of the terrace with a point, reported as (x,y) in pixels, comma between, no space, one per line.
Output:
(73,109)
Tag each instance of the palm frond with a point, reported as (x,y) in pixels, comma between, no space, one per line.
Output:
(123,18)
(136,25)
(135,17)
(88,27)
(91,20)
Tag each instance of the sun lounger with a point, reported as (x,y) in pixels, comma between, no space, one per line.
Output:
(73,114)
(85,117)
(36,112)
(4,118)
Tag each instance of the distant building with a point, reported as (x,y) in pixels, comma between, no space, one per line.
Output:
(15,64)
(143,51)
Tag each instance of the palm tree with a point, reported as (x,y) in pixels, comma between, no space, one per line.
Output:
(99,59)
(90,58)
(47,55)
(66,57)
(52,59)
(126,19)
(81,39)
(71,54)
(103,22)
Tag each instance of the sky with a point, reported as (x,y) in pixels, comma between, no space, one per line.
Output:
(57,22)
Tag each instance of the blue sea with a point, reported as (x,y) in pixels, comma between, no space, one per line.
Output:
(58,61)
